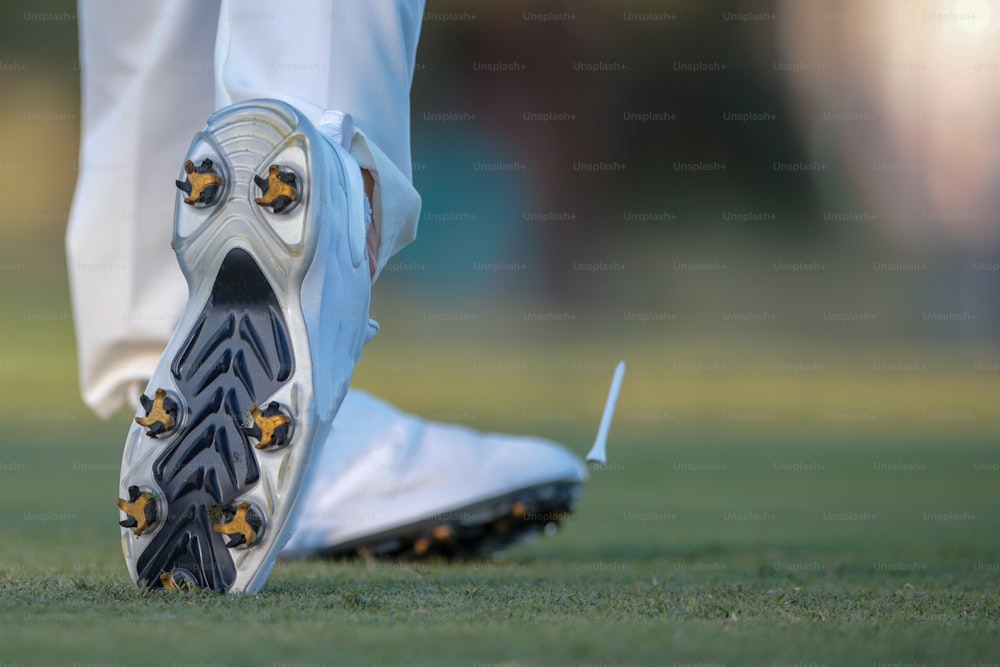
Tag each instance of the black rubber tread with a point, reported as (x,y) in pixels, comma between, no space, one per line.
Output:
(478,530)
(237,354)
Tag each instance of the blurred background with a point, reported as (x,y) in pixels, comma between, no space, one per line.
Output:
(781,214)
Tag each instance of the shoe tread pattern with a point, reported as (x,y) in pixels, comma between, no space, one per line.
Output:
(236,355)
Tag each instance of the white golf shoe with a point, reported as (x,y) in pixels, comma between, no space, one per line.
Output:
(270,233)
(393,485)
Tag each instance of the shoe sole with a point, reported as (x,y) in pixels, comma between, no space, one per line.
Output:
(481,529)
(212,497)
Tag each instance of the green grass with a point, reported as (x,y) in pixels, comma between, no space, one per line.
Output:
(649,572)
(657,568)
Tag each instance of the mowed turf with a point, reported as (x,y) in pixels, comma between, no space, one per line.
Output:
(731,550)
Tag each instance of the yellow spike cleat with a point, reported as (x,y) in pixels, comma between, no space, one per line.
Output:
(443,533)
(202,182)
(161,413)
(177,581)
(270,426)
(141,511)
(278,191)
(421,546)
(168,582)
(243,528)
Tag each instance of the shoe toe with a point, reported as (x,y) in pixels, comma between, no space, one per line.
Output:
(520,460)
(405,471)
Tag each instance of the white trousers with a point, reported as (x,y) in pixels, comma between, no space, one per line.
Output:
(152,73)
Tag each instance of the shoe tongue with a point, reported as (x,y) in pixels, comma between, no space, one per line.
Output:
(598,456)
